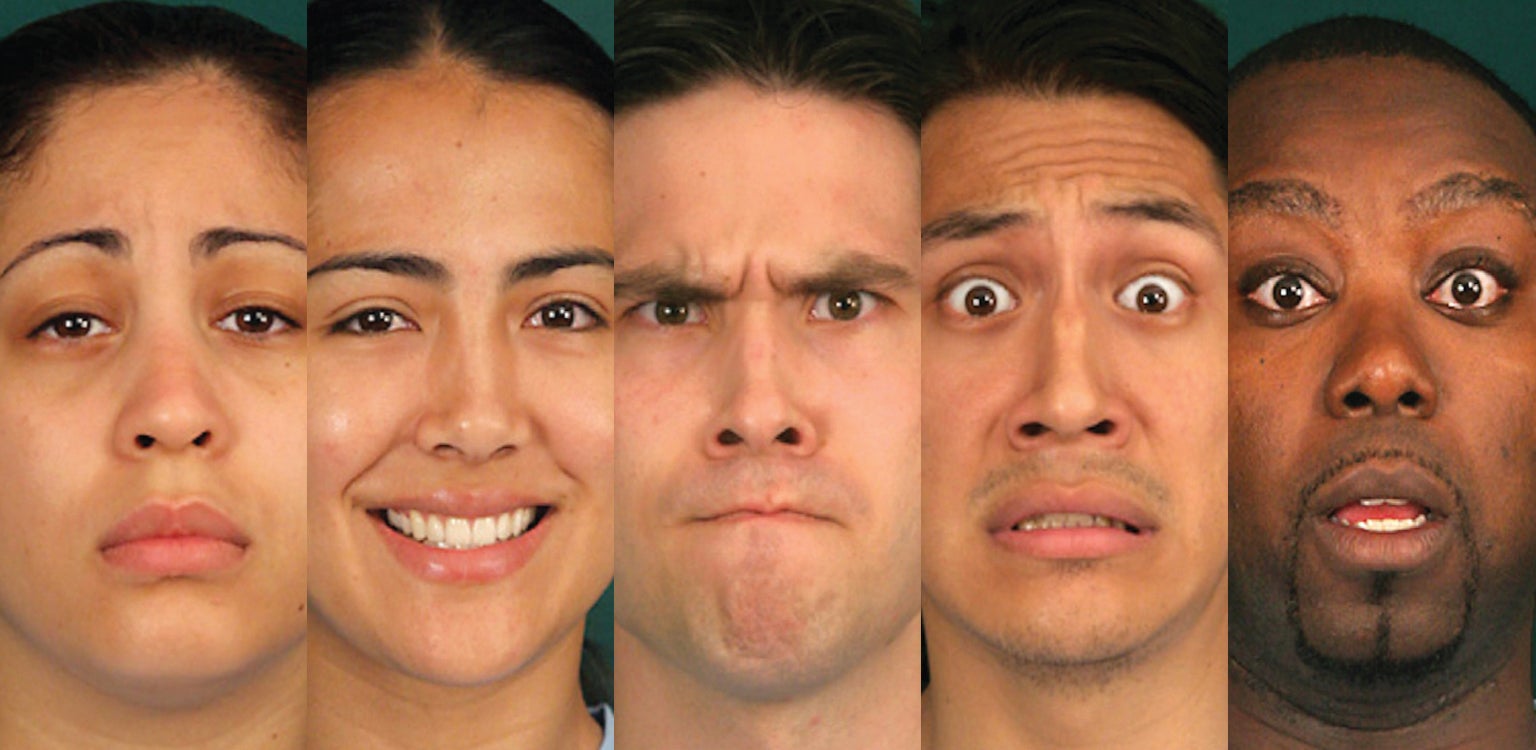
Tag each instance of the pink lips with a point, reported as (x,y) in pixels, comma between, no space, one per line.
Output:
(166,540)
(1076,543)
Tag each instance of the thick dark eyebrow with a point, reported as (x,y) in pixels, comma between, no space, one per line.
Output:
(851,271)
(1465,190)
(657,281)
(1166,210)
(1285,197)
(400,263)
(967,224)
(109,241)
(209,243)
(552,261)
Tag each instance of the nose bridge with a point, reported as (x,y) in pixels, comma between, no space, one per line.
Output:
(757,411)
(1381,367)
(471,393)
(171,402)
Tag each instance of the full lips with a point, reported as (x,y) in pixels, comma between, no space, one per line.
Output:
(163,539)
(1398,476)
(467,566)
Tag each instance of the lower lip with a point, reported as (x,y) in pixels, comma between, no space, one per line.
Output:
(170,557)
(1352,549)
(481,565)
(746,516)
(1072,544)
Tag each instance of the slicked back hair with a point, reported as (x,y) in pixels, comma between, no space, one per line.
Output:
(1171,53)
(122,43)
(1369,36)
(854,50)
(515,41)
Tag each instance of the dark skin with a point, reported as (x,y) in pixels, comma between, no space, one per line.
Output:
(1383,336)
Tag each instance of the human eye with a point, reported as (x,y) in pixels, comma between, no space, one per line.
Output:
(669,313)
(256,321)
(844,305)
(1153,294)
(71,326)
(1468,289)
(1282,291)
(979,297)
(374,321)
(565,315)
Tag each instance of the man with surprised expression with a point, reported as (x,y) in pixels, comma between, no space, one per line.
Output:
(1074,348)
(767,423)
(1384,395)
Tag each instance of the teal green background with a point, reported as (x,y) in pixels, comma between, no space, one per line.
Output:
(286,17)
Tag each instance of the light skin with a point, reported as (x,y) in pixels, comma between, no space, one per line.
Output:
(462,293)
(1378,187)
(767,422)
(1050,376)
(152,351)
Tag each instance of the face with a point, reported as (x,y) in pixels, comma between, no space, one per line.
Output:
(1074,350)
(461,422)
(152,392)
(1384,432)
(767,387)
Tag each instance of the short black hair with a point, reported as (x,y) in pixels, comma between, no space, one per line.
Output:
(1171,53)
(1370,36)
(509,40)
(858,50)
(121,43)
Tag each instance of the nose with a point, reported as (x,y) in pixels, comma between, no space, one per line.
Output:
(1381,371)
(760,410)
(473,409)
(1068,394)
(172,404)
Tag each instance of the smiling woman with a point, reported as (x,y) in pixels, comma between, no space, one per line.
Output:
(152,306)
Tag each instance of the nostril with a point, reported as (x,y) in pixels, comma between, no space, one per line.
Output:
(790,436)
(143,441)
(201,441)
(1410,400)
(1355,401)
(1033,429)
(728,437)
(1102,428)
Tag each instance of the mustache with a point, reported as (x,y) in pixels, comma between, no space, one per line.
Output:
(1108,468)
(1394,446)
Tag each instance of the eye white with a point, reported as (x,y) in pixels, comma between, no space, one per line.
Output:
(694,313)
(1489,290)
(1264,295)
(1152,294)
(980,297)
(821,307)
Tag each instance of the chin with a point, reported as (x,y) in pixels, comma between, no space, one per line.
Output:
(185,674)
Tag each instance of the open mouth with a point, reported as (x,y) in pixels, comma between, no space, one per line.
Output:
(461,533)
(1049,521)
(1382,515)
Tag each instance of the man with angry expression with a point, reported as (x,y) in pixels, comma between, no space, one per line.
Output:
(1383,391)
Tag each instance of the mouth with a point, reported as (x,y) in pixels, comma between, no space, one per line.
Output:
(1383,515)
(1387,514)
(460,532)
(163,539)
(1050,521)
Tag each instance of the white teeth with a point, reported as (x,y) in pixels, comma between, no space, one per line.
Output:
(1374,502)
(1068,521)
(1387,525)
(454,532)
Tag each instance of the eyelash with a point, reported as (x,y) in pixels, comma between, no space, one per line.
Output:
(352,324)
(280,324)
(596,320)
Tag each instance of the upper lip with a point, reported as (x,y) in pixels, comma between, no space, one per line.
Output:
(766,505)
(1091,498)
(173,518)
(1399,479)
(473,503)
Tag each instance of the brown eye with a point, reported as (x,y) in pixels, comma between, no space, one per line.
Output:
(375,321)
(1152,294)
(255,321)
(843,306)
(71,326)
(1287,292)
(980,297)
(1468,289)
(567,315)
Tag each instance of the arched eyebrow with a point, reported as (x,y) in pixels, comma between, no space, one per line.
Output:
(109,242)
(396,262)
(1464,190)
(551,261)
(209,243)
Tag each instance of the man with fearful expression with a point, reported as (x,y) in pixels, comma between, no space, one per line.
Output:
(1383,395)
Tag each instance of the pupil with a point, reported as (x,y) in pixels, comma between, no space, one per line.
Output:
(980,301)
(559,316)
(1466,289)
(1152,299)
(1288,292)
(255,321)
(74,326)
(671,313)
(847,306)
(376,321)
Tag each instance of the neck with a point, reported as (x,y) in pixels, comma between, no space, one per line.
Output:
(355,701)
(1174,696)
(1493,714)
(875,704)
(43,706)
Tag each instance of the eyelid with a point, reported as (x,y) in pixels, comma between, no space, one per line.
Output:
(821,310)
(283,318)
(951,297)
(342,326)
(698,313)
(590,308)
(41,330)
(1123,297)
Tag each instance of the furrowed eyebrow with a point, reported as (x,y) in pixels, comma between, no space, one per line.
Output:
(109,241)
(1166,210)
(407,264)
(965,225)
(850,271)
(552,261)
(209,243)
(661,282)
(1465,190)
(1287,198)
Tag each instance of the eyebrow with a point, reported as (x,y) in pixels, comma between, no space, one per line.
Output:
(1165,210)
(114,244)
(664,281)
(209,243)
(851,270)
(1465,190)
(395,262)
(552,261)
(1285,197)
(967,224)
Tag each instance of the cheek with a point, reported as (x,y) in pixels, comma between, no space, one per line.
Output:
(353,421)
(579,421)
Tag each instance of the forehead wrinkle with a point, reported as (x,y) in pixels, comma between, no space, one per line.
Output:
(1464,190)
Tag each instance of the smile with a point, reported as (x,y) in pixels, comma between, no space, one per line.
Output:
(461,533)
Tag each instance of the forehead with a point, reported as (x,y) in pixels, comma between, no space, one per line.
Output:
(439,157)
(731,172)
(1013,151)
(1381,127)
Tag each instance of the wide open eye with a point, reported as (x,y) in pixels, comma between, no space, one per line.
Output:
(1287,293)
(980,297)
(564,315)
(1467,289)
(844,305)
(374,321)
(1153,294)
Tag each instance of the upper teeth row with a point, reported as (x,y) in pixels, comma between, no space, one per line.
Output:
(1373,502)
(453,532)
(1068,521)
(1386,525)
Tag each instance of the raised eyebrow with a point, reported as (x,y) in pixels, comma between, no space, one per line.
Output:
(209,243)
(1296,198)
(548,262)
(1166,210)
(661,282)
(399,263)
(1465,190)
(108,241)
(967,224)
(852,271)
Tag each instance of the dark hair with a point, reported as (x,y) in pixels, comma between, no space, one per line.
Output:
(119,43)
(1368,36)
(1171,53)
(509,40)
(860,50)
